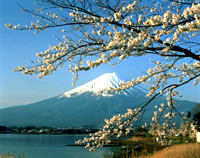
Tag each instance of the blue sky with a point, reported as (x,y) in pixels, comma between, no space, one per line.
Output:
(17,46)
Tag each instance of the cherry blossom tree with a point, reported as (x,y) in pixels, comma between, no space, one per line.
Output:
(110,31)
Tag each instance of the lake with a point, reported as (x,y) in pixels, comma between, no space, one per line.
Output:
(47,146)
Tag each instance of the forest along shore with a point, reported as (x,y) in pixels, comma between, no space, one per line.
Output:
(45,130)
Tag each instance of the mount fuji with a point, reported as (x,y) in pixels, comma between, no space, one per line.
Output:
(84,106)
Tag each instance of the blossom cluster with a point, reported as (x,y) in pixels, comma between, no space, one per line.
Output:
(117,126)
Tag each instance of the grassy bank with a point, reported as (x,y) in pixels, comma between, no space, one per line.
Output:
(143,147)
(191,150)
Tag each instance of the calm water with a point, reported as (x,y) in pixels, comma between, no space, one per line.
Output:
(46,146)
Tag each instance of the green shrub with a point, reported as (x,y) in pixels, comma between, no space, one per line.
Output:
(181,139)
(148,135)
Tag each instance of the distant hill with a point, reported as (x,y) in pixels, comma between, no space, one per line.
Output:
(84,106)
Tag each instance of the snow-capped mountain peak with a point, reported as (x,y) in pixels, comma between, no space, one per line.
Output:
(101,83)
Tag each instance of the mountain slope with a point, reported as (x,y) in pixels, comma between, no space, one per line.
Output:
(83,106)
(82,110)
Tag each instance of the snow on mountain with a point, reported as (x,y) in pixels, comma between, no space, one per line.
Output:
(101,83)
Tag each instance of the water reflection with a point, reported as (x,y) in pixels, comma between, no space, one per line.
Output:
(46,146)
